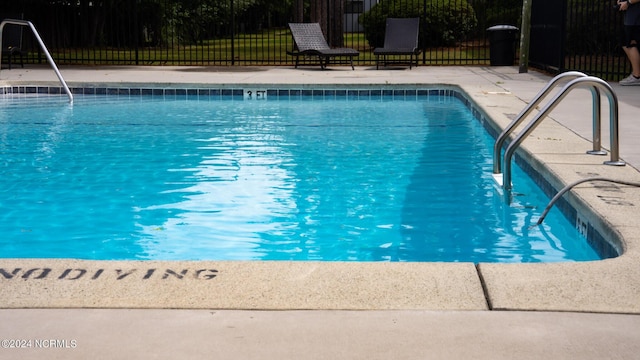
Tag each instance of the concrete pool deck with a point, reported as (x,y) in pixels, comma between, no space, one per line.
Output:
(581,310)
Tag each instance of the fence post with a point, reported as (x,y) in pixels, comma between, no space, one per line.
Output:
(137,32)
(525,36)
(233,34)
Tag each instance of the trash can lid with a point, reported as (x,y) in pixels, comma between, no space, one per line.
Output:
(502,27)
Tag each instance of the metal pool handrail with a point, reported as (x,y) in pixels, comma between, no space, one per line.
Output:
(578,182)
(594,84)
(44,48)
(497,147)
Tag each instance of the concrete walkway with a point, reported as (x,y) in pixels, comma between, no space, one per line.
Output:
(366,335)
(586,310)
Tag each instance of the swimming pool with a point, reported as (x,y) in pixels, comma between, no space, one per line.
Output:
(342,175)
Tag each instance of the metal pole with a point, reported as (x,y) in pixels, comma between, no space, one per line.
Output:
(136,31)
(233,35)
(596,148)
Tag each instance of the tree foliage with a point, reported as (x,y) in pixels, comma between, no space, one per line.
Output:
(443,22)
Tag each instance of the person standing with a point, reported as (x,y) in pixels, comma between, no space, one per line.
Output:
(631,39)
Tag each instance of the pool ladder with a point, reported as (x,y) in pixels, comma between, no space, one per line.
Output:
(503,179)
(44,48)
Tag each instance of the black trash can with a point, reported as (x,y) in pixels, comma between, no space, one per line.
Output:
(502,45)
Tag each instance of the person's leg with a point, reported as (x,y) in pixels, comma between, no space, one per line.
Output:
(634,58)
(630,46)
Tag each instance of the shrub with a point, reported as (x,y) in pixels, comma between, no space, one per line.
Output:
(442,22)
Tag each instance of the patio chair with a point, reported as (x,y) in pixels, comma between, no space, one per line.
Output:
(12,43)
(309,41)
(400,38)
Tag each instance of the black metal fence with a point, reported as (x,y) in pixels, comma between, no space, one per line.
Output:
(254,32)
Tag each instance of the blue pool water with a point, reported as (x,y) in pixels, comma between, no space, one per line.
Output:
(218,179)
